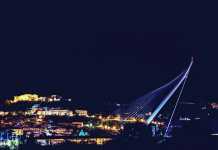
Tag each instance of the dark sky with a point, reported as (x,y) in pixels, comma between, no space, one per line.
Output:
(100,51)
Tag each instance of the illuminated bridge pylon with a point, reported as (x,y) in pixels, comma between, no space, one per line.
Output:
(155,100)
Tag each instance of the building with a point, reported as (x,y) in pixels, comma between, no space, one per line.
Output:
(81,112)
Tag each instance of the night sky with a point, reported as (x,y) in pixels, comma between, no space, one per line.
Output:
(107,52)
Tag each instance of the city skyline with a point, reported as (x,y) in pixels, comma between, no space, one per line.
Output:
(98,75)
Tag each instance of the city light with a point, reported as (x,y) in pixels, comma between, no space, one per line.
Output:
(58,124)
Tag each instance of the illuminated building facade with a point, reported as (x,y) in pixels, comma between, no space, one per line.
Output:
(81,112)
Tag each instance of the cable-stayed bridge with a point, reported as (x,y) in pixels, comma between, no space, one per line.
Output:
(155,100)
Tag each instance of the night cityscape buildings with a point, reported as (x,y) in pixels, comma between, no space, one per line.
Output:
(48,121)
(71,73)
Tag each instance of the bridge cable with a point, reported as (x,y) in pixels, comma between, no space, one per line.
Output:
(165,135)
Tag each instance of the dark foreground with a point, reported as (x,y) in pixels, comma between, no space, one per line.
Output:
(189,143)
